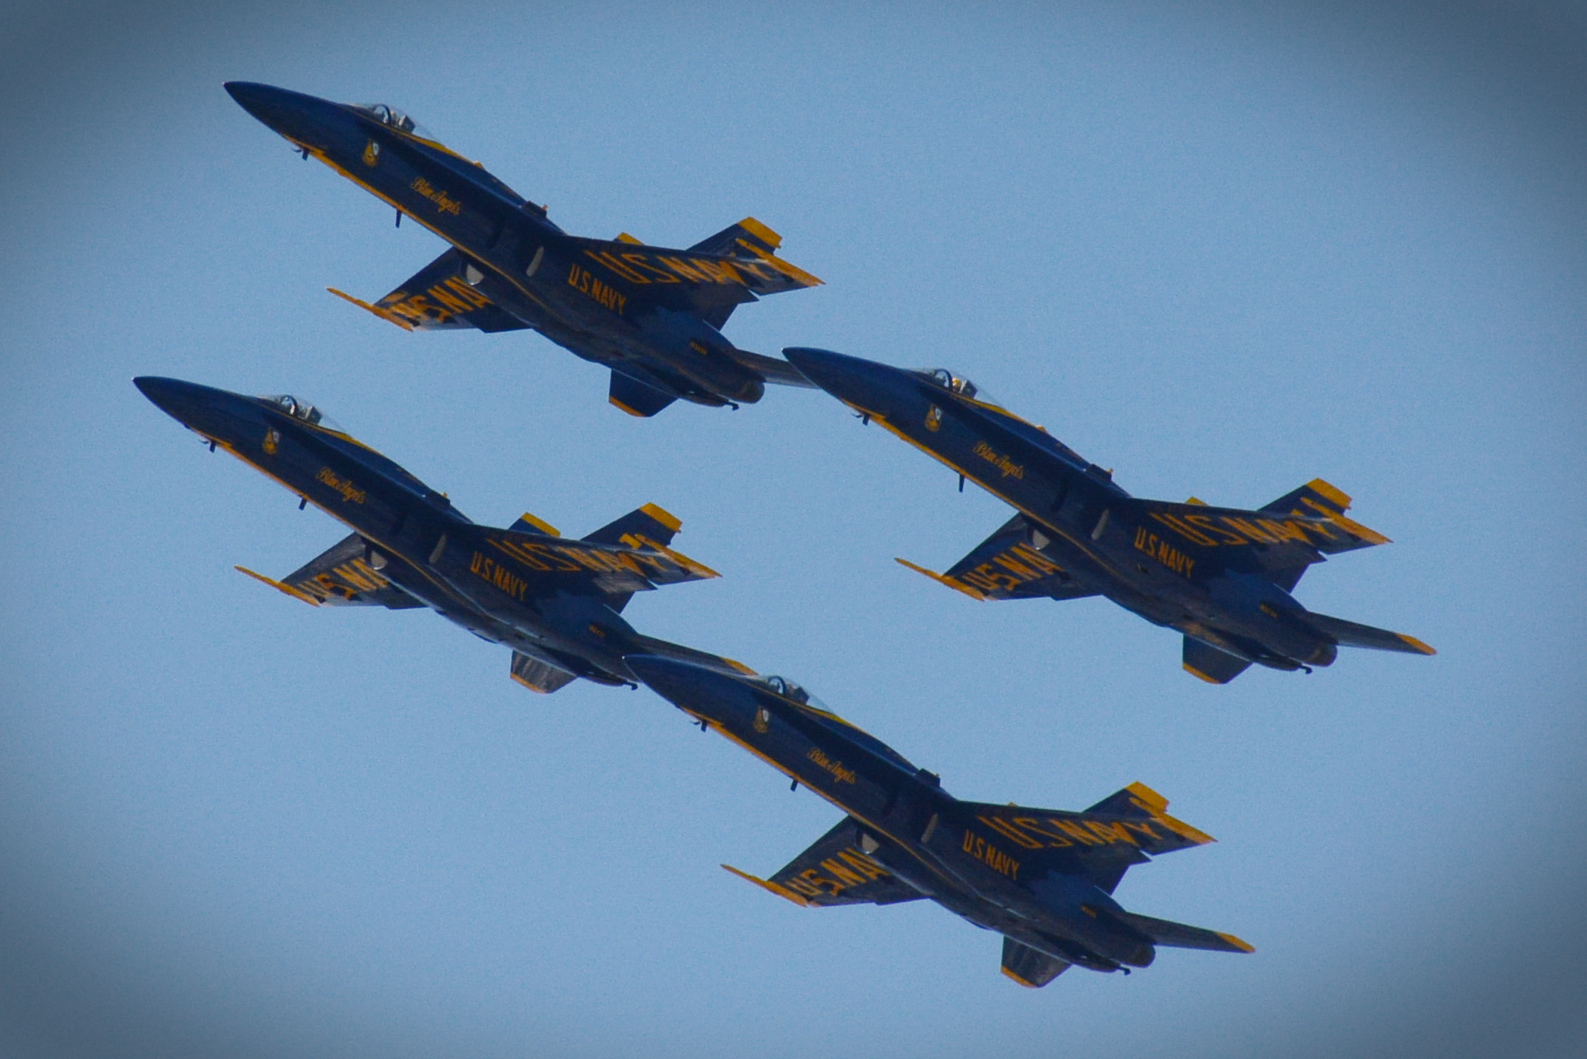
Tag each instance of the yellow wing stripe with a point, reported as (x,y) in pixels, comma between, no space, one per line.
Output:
(1198,674)
(1243,946)
(1021,981)
(273,583)
(384,314)
(780,891)
(951,582)
(625,408)
(1416,644)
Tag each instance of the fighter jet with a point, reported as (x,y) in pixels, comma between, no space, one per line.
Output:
(1042,878)
(1221,576)
(557,603)
(651,314)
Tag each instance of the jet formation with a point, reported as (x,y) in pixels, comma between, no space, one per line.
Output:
(557,603)
(652,315)
(1042,878)
(1221,576)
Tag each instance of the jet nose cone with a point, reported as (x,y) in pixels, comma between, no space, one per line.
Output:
(168,395)
(300,118)
(864,384)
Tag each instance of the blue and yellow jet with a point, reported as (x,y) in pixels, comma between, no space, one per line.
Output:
(1221,576)
(556,602)
(650,314)
(1042,878)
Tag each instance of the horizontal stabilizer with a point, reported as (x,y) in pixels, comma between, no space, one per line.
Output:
(528,523)
(539,676)
(444,295)
(344,575)
(1315,497)
(1210,664)
(1122,830)
(1353,634)
(650,522)
(637,398)
(836,871)
(1181,935)
(1028,967)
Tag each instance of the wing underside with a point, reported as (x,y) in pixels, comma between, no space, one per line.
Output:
(835,871)
(344,575)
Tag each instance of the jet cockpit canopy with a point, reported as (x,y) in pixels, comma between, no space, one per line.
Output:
(789,690)
(956,383)
(303,410)
(394,118)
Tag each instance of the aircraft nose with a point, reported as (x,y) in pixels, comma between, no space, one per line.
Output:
(171,396)
(300,118)
(863,384)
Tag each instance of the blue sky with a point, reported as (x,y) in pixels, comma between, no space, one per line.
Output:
(1222,250)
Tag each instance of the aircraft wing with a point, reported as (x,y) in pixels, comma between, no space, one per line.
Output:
(342,576)
(439,297)
(834,871)
(1007,565)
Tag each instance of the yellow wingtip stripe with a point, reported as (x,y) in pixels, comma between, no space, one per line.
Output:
(624,237)
(1243,946)
(384,314)
(951,582)
(663,516)
(273,583)
(780,891)
(1021,981)
(1418,645)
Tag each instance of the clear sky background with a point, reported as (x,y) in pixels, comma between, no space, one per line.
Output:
(1222,249)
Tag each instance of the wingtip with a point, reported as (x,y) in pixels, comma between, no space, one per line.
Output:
(942,579)
(1416,645)
(279,586)
(765,884)
(1243,946)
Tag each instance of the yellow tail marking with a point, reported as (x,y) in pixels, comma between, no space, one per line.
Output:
(780,891)
(793,272)
(541,525)
(1196,501)
(531,687)
(678,557)
(1193,671)
(1021,981)
(384,314)
(1417,644)
(761,232)
(1330,492)
(1150,798)
(624,237)
(951,582)
(1236,942)
(663,516)
(625,408)
(288,589)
